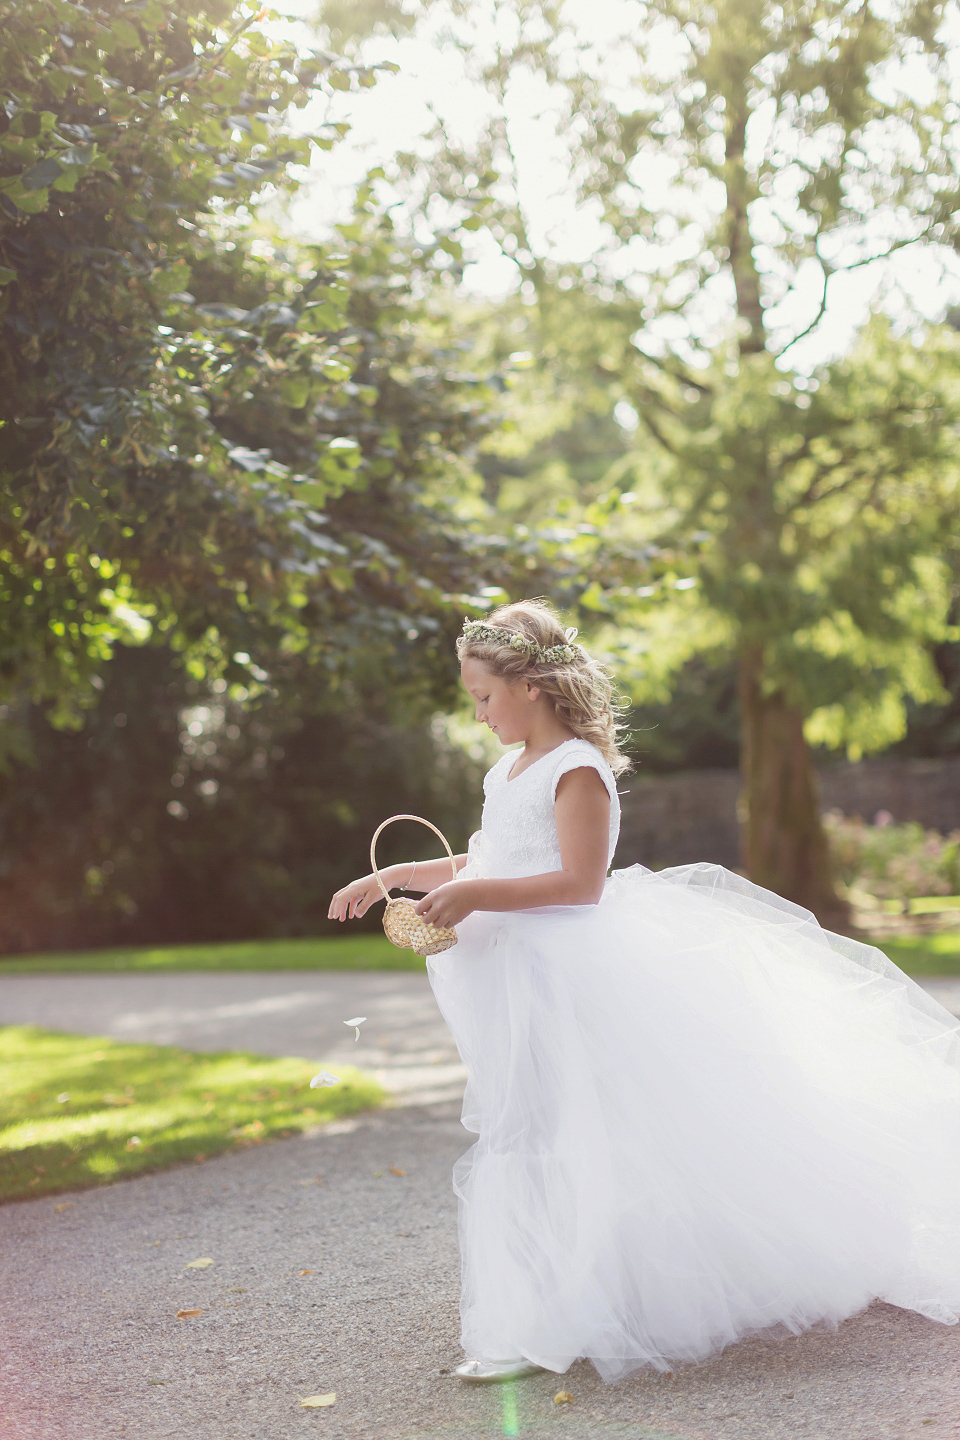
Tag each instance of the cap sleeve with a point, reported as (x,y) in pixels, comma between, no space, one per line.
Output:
(585,757)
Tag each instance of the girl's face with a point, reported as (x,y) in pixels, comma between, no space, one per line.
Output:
(509,709)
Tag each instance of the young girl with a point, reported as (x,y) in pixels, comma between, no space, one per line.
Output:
(700,1116)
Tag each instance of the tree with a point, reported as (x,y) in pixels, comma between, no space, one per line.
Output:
(739,150)
(177,459)
(241,453)
(184,810)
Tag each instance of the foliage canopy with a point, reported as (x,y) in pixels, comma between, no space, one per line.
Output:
(185,404)
(728,154)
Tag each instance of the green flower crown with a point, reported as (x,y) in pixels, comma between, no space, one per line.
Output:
(540,655)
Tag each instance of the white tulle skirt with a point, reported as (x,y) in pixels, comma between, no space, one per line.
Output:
(700,1116)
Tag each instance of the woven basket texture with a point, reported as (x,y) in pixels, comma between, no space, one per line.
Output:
(405,928)
(402,925)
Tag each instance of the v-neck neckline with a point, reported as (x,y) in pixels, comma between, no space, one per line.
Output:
(534,763)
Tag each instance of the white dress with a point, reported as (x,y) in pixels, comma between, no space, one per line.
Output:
(700,1116)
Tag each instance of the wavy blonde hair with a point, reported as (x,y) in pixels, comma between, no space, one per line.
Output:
(581,690)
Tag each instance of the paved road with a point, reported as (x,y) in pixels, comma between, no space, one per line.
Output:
(93,1350)
(296,1012)
(90,1284)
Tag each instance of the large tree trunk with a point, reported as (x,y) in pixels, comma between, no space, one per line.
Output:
(783,841)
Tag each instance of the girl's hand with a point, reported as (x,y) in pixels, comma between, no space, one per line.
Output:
(448,904)
(354,899)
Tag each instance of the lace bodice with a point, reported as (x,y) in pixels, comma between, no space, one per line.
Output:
(518,834)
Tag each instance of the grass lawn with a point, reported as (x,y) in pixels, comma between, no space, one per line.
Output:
(925,954)
(336,952)
(916,954)
(80,1110)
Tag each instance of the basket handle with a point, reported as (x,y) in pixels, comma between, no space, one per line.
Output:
(420,821)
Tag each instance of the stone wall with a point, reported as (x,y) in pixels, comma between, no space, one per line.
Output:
(678,819)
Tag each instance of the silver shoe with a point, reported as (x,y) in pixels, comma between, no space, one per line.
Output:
(490,1372)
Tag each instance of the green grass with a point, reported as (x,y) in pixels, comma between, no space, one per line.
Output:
(925,954)
(346,952)
(80,1110)
(916,954)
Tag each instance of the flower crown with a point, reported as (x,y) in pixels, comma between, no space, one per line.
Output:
(540,655)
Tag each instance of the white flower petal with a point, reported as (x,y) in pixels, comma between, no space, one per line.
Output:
(323,1077)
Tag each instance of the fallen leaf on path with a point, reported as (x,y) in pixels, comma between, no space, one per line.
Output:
(563,1397)
(395,1170)
(308,1272)
(198,1264)
(188,1314)
(64,1205)
(317,1402)
(323,1077)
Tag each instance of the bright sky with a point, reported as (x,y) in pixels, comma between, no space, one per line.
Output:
(435,80)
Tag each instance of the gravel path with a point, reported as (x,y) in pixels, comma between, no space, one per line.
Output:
(90,1284)
(93,1349)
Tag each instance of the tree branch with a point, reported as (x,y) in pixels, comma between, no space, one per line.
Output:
(829,271)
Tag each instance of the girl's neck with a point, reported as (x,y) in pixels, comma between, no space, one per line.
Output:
(545,738)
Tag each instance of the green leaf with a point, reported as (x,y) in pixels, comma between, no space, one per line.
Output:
(318,318)
(7,275)
(78,155)
(127,34)
(295,391)
(38,177)
(32,202)
(58,82)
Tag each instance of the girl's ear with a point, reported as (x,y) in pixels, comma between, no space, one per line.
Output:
(533,691)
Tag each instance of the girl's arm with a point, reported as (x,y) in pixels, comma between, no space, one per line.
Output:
(582,814)
(356,898)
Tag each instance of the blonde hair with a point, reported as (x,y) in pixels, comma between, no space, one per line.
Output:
(580,689)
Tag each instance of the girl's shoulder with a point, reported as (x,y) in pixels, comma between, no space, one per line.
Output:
(578,754)
(573,754)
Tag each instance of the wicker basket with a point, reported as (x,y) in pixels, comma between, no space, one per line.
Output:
(402,925)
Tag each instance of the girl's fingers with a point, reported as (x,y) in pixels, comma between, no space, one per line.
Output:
(350,903)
